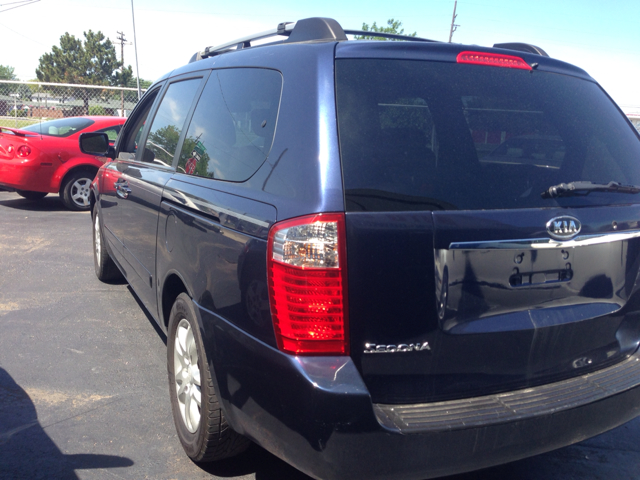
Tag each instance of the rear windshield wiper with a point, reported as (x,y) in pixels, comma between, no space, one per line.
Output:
(585,188)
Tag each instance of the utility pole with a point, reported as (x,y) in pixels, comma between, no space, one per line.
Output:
(122,42)
(454,27)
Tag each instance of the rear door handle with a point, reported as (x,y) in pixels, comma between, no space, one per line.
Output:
(122,188)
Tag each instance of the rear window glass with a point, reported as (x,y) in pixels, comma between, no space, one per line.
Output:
(112,132)
(232,128)
(418,135)
(62,127)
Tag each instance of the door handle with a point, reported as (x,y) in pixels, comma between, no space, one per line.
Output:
(122,189)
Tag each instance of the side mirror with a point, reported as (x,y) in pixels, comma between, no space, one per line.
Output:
(96,143)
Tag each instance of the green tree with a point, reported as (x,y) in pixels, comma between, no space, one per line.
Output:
(92,62)
(23,91)
(192,148)
(163,143)
(96,110)
(6,73)
(133,83)
(132,96)
(393,26)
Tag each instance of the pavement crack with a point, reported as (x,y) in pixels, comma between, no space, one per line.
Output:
(111,473)
(4,437)
(84,412)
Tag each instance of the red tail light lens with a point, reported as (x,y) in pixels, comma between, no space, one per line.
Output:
(24,150)
(492,59)
(307,285)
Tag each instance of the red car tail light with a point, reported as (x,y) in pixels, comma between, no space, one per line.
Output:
(493,59)
(308,284)
(24,151)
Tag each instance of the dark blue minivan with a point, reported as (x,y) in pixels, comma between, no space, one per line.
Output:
(399,259)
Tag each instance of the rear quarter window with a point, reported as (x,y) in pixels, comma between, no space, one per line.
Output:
(232,129)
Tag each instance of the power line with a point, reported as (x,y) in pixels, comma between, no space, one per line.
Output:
(13,3)
(24,4)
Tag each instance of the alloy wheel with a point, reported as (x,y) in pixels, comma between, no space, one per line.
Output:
(80,191)
(187,376)
(96,237)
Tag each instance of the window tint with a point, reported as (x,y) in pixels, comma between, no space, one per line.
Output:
(507,130)
(233,126)
(135,125)
(435,135)
(63,127)
(168,122)
(112,132)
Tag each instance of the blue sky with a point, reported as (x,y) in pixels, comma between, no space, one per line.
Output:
(601,37)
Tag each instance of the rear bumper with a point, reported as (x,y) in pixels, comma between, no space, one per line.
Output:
(316,414)
(25,175)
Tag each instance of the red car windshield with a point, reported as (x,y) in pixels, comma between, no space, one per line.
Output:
(62,127)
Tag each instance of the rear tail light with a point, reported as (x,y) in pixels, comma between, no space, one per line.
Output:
(307,285)
(24,150)
(492,59)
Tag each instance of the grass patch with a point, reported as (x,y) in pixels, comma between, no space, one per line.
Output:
(11,122)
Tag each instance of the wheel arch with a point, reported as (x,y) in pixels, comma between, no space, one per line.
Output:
(92,202)
(93,169)
(57,180)
(172,286)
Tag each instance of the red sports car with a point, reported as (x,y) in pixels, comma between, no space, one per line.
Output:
(45,158)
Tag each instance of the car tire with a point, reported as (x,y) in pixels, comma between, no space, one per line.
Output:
(76,190)
(202,429)
(105,267)
(29,195)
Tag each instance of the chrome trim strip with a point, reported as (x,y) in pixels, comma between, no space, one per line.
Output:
(546,243)
(210,208)
(512,406)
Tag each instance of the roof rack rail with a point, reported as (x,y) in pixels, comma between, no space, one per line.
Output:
(522,47)
(308,29)
(305,30)
(283,28)
(387,35)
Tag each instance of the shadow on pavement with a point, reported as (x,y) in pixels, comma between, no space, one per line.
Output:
(26,451)
(255,460)
(50,203)
(144,310)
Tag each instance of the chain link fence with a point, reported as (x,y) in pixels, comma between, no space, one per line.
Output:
(635,119)
(25,103)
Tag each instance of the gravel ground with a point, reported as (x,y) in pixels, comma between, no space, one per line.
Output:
(83,383)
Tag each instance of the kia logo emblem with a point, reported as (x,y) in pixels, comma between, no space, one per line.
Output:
(564,228)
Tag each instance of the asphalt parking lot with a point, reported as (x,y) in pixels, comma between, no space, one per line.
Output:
(83,383)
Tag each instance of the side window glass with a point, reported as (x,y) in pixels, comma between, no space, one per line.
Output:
(233,126)
(133,132)
(168,122)
(112,132)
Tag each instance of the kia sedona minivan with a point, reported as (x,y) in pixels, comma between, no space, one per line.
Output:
(380,259)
